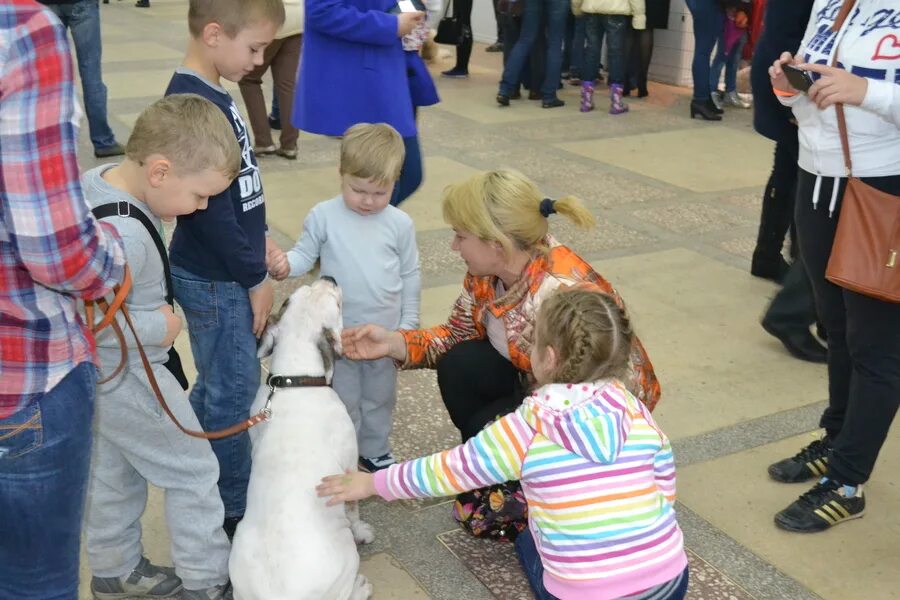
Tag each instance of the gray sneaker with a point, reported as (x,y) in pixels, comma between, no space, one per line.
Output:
(219,592)
(146,581)
(734,99)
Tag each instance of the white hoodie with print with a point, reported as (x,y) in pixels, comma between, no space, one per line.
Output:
(868,45)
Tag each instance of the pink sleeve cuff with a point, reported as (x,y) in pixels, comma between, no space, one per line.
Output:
(381,484)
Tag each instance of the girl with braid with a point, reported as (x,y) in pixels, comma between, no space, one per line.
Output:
(597,472)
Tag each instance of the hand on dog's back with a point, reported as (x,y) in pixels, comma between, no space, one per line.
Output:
(349,487)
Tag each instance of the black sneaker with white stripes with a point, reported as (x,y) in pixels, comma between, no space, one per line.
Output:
(823,506)
(370,465)
(809,463)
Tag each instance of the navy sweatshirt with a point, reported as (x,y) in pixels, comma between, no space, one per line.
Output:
(227,241)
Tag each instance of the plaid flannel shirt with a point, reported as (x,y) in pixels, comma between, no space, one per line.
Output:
(52,251)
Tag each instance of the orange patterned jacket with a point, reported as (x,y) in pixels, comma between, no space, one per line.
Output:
(517,308)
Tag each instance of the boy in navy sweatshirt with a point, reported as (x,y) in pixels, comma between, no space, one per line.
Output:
(218,256)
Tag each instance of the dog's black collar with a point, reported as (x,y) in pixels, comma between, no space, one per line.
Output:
(292,381)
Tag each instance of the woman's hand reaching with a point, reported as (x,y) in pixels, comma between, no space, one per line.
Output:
(368,342)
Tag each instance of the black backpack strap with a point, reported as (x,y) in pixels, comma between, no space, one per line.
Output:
(124,209)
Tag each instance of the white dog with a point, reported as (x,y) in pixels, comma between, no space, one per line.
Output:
(290,546)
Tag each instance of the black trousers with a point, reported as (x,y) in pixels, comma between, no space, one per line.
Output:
(478,385)
(778,199)
(863,341)
(793,307)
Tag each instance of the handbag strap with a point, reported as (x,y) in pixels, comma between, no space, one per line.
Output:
(124,209)
(842,15)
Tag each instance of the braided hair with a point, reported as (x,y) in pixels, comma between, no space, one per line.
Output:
(590,333)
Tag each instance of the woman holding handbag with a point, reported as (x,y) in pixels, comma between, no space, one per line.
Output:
(849,125)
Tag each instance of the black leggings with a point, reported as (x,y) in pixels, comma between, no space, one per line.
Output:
(637,59)
(478,385)
(863,341)
(462,10)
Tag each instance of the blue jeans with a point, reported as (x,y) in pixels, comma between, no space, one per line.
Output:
(730,63)
(410,173)
(617,29)
(537,14)
(709,19)
(83,20)
(532,565)
(45,452)
(573,57)
(220,324)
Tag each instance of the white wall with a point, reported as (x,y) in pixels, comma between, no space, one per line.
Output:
(484,27)
(672,52)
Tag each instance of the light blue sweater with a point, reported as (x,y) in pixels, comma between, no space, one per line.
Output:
(373,258)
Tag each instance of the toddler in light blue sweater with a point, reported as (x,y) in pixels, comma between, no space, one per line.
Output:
(369,248)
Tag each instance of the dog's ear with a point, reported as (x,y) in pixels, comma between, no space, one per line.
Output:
(267,343)
(325,344)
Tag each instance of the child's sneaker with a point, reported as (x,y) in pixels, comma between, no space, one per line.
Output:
(733,99)
(219,592)
(370,465)
(825,505)
(146,581)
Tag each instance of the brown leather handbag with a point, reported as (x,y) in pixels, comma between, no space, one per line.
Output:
(864,254)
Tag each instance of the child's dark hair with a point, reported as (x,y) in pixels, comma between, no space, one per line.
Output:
(589,332)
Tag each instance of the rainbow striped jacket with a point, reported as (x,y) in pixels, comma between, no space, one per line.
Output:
(599,478)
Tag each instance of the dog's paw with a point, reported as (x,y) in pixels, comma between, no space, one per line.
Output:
(362,590)
(362,532)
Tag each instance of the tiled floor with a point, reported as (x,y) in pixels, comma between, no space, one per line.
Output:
(677,202)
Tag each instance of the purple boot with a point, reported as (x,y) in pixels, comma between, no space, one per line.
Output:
(587,96)
(616,105)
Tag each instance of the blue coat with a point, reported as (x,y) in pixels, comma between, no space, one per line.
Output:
(352,69)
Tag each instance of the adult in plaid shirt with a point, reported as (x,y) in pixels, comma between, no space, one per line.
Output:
(52,253)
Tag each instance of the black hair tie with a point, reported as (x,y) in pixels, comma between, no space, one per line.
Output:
(547,207)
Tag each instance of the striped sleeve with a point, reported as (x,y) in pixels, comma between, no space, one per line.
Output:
(493,456)
(664,471)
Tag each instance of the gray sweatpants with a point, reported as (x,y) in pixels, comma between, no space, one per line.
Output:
(368,389)
(135,443)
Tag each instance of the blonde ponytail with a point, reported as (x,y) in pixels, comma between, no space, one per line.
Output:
(574,209)
(505,207)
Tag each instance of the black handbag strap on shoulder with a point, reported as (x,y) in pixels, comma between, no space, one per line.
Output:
(125,209)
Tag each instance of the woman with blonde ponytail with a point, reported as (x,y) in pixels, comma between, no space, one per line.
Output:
(500,221)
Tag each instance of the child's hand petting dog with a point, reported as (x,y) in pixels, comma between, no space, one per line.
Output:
(352,485)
